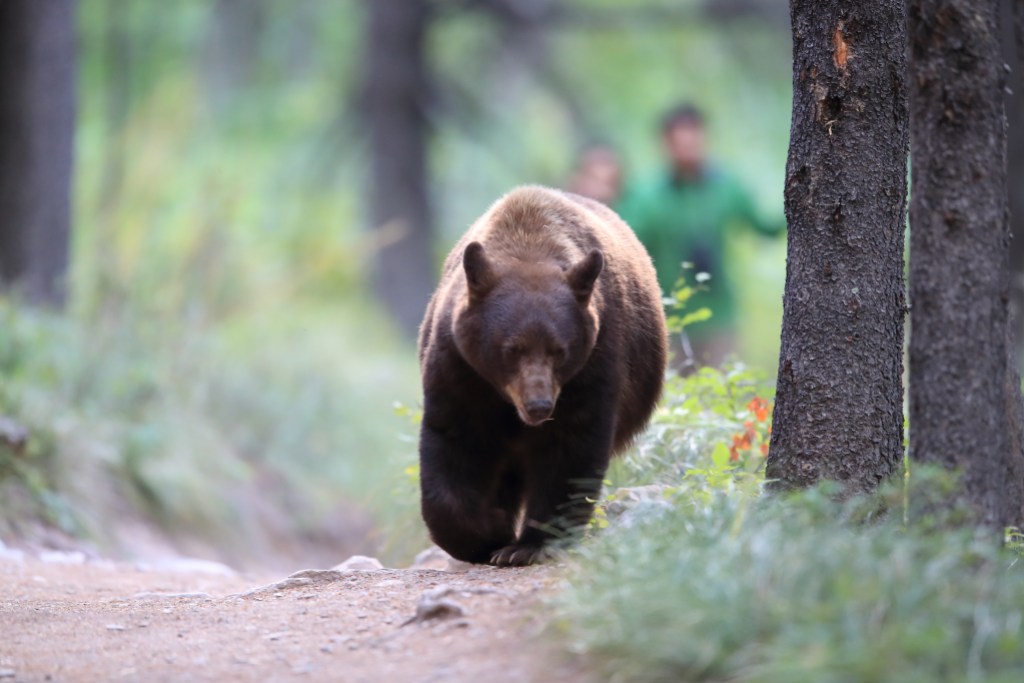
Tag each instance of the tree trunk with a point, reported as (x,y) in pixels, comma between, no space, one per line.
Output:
(395,91)
(964,394)
(839,403)
(1013,49)
(232,48)
(37,123)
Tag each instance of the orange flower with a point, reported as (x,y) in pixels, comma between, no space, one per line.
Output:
(759,407)
(764,450)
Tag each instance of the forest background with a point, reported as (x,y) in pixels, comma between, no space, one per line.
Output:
(223,362)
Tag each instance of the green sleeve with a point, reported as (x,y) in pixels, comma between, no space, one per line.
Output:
(743,206)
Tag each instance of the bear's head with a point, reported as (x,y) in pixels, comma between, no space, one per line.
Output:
(527,328)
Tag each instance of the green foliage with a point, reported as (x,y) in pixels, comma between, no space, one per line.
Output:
(28,449)
(677,317)
(402,530)
(794,589)
(710,423)
(712,581)
(241,439)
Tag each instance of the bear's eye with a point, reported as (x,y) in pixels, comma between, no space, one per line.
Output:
(559,354)
(514,350)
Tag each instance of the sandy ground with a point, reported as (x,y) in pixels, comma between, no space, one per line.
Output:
(73,619)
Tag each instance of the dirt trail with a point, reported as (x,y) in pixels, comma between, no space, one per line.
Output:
(104,621)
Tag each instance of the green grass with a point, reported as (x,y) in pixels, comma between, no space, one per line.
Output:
(712,581)
(791,595)
(250,440)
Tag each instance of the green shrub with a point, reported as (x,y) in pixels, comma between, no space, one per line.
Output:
(712,423)
(240,439)
(727,586)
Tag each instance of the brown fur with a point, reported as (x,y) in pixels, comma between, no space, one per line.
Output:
(542,353)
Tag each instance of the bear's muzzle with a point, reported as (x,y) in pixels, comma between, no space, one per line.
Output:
(534,391)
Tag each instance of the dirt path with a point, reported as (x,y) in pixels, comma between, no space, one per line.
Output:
(103,621)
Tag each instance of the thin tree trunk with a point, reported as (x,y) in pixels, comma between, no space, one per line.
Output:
(233,43)
(839,403)
(395,91)
(37,122)
(964,393)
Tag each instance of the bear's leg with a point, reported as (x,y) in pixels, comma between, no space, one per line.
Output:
(560,499)
(470,503)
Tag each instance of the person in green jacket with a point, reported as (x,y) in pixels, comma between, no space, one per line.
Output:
(683,215)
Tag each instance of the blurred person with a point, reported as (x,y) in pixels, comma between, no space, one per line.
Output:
(682,215)
(598,174)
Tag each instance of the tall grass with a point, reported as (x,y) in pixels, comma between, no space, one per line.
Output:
(262,452)
(711,581)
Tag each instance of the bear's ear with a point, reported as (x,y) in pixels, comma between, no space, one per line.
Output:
(583,275)
(480,274)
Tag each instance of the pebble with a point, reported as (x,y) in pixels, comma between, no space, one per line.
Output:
(359,563)
(186,565)
(173,596)
(434,604)
(432,558)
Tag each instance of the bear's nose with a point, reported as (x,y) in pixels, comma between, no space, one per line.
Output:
(539,410)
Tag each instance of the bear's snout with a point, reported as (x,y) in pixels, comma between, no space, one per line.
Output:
(539,410)
(534,391)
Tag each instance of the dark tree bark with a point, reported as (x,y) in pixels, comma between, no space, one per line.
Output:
(839,404)
(37,122)
(1013,49)
(395,91)
(964,392)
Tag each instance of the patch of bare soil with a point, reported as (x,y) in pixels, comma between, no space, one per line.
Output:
(87,620)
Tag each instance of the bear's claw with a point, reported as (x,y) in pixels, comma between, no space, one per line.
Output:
(518,555)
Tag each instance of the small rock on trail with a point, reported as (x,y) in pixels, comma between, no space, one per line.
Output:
(359,563)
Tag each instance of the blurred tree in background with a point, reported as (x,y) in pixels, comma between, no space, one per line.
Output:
(293,125)
(37,125)
(395,99)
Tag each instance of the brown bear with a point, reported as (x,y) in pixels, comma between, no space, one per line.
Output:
(542,354)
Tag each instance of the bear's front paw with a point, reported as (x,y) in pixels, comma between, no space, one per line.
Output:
(516,555)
